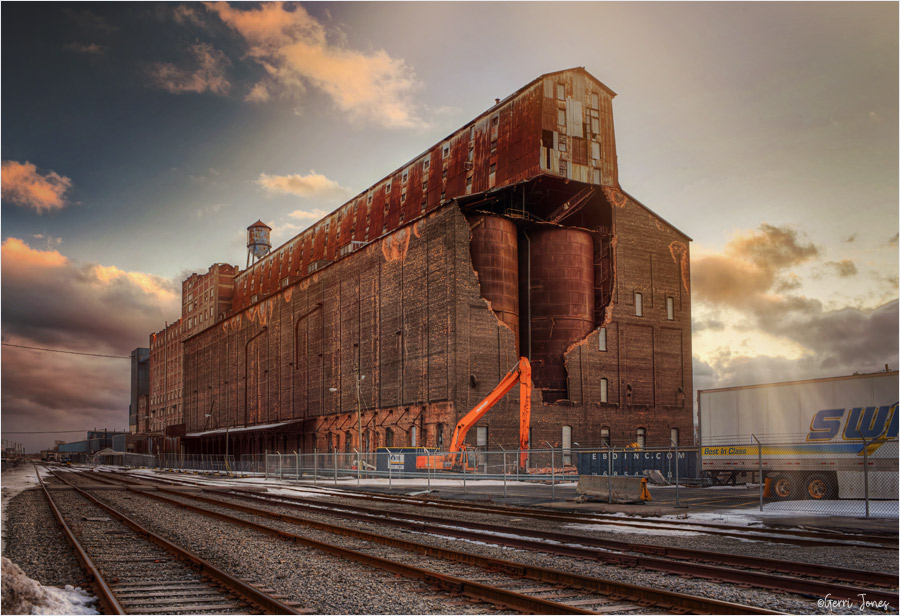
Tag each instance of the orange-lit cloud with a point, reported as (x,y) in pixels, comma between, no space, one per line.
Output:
(24,185)
(52,300)
(315,214)
(751,291)
(208,72)
(296,50)
(310,185)
(750,267)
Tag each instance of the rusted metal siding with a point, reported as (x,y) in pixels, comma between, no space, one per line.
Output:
(506,148)
(495,257)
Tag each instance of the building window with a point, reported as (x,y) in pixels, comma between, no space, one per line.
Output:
(638,304)
(413,433)
(604,390)
(604,437)
(561,117)
(567,444)
(445,151)
(469,185)
(388,437)
(642,437)
(561,91)
(481,437)
(670,308)
(426,164)
(602,339)
(595,101)
(439,436)
(673,436)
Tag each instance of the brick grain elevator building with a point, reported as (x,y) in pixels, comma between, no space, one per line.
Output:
(405,306)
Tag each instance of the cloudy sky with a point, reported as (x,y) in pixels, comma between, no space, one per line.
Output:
(140,140)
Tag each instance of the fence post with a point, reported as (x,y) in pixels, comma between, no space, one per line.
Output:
(390,474)
(866,474)
(358,465)
(429,458)
(761,482)
(465,463)
(677,502)
(315,466)
(552,471)
(609,455)
(504,471)
(334,464)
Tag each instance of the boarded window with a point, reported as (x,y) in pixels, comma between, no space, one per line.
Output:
(604,437)
(561,117)
(567,444)
(595,150)
(595,101)
(561,91)
(673,436)
(642,437)
(604,390)
(413,433)
(638,305)
(388,437)
(602,339)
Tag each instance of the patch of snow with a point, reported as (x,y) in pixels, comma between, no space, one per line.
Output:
(634,530)
(22,595)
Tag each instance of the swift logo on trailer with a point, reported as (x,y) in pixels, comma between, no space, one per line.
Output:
(861,423)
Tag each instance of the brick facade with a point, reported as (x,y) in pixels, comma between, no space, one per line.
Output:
(376,314)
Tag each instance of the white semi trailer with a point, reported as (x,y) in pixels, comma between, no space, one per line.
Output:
(804,439)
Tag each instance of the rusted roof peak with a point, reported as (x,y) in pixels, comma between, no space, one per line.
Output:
(260,223)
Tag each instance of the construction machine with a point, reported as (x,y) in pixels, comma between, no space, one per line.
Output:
(458,456)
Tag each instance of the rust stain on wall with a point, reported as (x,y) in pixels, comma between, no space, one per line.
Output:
(679,251)
(615,196)
(394,247)
(288,294)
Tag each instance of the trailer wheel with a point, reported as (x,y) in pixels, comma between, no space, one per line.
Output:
(783,487)
(818,487)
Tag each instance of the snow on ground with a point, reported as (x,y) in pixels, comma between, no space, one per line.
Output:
(635,530)
(22,595)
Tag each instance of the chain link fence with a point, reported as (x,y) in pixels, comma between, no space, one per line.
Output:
(856,478)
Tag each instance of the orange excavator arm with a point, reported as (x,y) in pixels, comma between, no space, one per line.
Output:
(521,374)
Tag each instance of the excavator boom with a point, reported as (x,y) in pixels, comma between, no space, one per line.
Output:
(521,374)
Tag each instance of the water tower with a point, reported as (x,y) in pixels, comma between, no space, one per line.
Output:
(258,242)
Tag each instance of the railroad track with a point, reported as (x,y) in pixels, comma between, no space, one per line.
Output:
(134,571)
(801,578)
(807,538)
(509,584)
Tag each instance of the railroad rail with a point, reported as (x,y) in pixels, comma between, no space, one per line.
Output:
(132,569)
(597,593)
(617,552)
(780,535)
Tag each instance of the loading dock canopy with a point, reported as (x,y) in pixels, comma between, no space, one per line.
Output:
(241,429)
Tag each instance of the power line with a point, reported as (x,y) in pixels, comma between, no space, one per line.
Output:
(47,432)
(21,346)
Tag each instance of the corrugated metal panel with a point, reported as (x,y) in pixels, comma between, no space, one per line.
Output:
(515,154)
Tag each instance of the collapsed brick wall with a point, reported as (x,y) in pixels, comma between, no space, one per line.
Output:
(406,311)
